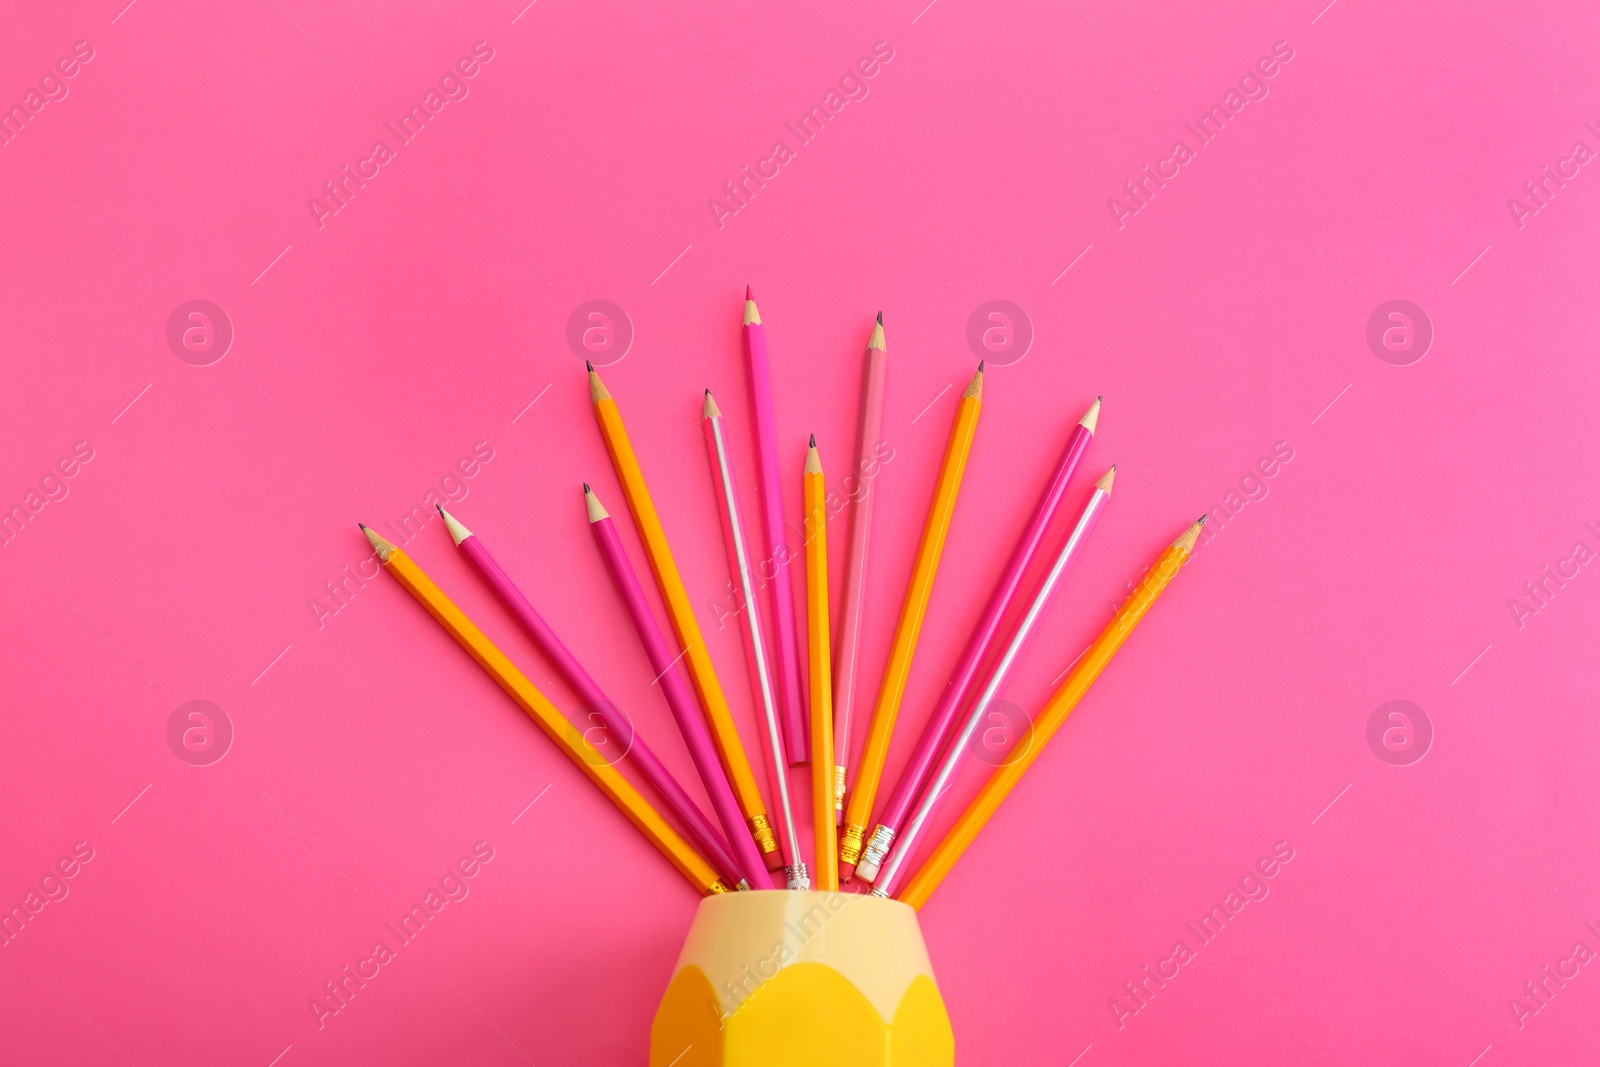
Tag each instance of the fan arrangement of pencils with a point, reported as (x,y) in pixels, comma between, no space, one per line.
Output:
(804,709)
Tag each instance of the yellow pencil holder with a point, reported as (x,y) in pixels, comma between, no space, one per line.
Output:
(777,977)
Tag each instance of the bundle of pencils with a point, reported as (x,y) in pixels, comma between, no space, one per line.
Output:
(805,700)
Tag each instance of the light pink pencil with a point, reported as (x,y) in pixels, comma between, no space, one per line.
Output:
(847,672)
(797,740)
(676,690)
(755,648)
(962,745)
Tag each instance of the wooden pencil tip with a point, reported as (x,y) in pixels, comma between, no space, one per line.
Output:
(1187,539)
(382,547)
(458,532)
(1104,484)
(752,316)
(877,341)
(592,503)
(813,461)
(597,388)
(709,410)
(1091,418)
(975,387)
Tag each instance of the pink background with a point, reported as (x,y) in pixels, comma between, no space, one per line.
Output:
(371,354)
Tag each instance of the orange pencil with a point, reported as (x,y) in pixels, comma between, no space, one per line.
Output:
(1093,661)
(912,611)
(822,796)
(730,750)
(556,727)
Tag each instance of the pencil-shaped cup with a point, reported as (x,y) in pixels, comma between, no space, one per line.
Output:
(781,977)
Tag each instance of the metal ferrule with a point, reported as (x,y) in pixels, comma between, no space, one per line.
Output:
(877,847)
(850,843)
(761,830)
(796,877)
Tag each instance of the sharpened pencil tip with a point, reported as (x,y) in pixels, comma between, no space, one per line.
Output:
(588,366)
(1186,540)
(1091,418)
(813,440)
(597,388)
(593,506)
(458,532)
(709,409)
(747,295)
(876,340)
(379,545)
(362,525)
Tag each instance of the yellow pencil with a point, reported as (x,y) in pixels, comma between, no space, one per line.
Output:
(589,759)
(730,750)
(912,611)
(816,508)
(1093,661)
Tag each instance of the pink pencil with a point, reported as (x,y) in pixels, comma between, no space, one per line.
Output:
(942,720)
(797,742)
(701,832)
(684,709)
(847,672)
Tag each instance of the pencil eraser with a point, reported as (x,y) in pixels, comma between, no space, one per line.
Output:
(866,870)
(847,871)
(773,859)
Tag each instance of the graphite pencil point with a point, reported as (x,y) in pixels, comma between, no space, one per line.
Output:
(1091,418)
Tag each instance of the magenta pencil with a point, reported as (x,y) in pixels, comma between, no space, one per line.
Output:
(797,742)
(847,664)
(679,699)
(700,830)
(940,723)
